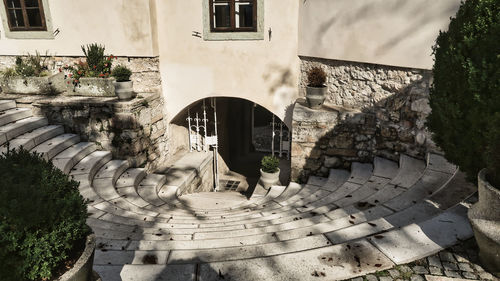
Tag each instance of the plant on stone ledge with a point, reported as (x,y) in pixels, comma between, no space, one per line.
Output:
(121,73)
(30,65)
(270,164)
(42,218)
(316,77)
(96,64)
(465,96)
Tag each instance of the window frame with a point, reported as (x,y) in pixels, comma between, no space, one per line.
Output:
(27,26)
(209,35)
(232,14)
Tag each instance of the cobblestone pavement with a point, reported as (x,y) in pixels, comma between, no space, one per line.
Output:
(459,262)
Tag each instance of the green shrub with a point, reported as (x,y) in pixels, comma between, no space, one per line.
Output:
(42,217)
(32,65)
(96,64)
(316,77)
(465,96)
(270,164)
(121,73)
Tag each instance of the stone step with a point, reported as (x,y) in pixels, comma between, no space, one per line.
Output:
(327,263)
(13,115)
(7,104)
(439,163)
(336,178)
(112,170)
(31,139)
(133,272)
(430,182)
(55,145)
(331,262)
(90,164)
(14,129)
(410,170)
(317,181)
(263,223)
(247,252)
(148,189)
(129,193)
(68,158)
(385,168)
(423,239)
(374,184)
(360,172)
(105,179)
(131,177)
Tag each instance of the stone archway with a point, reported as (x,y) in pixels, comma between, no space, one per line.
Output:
(244,132)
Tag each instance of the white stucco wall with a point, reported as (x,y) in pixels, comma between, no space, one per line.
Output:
(388,32)
(124,26)
(263,71)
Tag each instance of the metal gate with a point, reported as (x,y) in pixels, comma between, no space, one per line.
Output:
(199,138)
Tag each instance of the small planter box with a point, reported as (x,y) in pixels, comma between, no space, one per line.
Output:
(93,87)
(49,85)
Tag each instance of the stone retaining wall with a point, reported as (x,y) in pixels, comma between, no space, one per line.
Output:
(145,70)
(371,110)
(133,130)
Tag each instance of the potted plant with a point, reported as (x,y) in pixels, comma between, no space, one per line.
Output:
(43,231)
(92,76)
(30,76)
(465,118)
(124,88)
(316,88)
(270,171)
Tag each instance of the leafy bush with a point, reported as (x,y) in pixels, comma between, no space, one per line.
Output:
(465,96)
(42,217)
(121,73)
(31,65)
(316,77)
(270,164)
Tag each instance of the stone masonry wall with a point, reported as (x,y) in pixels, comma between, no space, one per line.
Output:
(145,71)
(370,110)
(134,130)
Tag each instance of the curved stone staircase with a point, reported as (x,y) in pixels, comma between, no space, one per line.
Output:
(346,225)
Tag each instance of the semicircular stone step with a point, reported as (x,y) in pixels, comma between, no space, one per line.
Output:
(69,157)
(14,114)
(14,129)
(90,164)
(33,138)
(7,104)
(55,145)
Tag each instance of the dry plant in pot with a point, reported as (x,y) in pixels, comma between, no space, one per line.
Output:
(316,89)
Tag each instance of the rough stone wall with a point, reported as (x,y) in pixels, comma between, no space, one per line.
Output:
(145,71)
(134,130)
(371,110)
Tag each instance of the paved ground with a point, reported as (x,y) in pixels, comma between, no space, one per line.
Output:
(459,262)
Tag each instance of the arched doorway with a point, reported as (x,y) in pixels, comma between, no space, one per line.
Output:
(244,135)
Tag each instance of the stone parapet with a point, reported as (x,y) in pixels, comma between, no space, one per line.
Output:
(134,130)
(145,70)
(370,110)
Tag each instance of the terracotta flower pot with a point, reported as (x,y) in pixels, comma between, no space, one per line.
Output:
(485,220)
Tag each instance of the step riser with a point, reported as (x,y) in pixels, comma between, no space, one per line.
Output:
(14,116)
(14,131)
(6,105)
